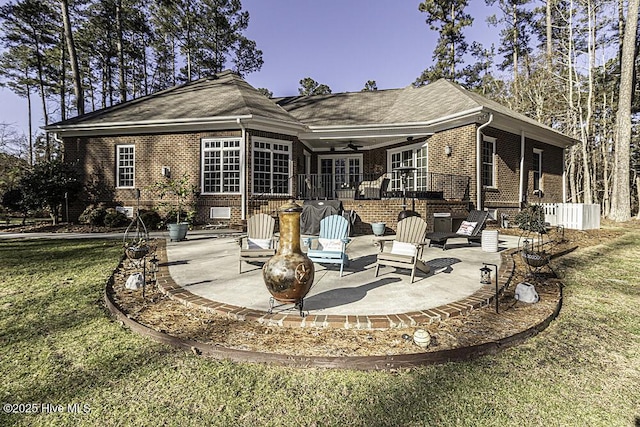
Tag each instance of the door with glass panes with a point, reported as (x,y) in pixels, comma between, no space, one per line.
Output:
(336,173)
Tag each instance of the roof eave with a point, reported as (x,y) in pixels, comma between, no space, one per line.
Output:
(533,131)
(178,125)
(414,129)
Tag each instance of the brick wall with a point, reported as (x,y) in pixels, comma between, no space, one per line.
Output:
(387,210)
(181,152)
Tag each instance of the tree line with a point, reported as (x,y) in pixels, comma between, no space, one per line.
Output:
(73,56)
(569,64)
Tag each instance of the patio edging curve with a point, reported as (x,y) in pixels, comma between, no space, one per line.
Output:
(381,362)
(483,297)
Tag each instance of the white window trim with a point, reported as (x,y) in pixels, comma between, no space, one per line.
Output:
(335,155)
(118,147)
(492,140)
(539,152)
(272,141)
(202,150)
(414,149)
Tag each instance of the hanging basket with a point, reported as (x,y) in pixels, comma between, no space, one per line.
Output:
(535,259)
(136,252)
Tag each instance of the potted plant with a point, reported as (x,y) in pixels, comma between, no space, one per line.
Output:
(531,221)
(182,192)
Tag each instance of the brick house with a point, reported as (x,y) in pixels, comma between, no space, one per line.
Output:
(438,147)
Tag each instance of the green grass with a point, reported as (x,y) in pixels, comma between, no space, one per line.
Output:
(59,346)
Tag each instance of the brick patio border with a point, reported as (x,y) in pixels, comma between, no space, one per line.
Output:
(484,296)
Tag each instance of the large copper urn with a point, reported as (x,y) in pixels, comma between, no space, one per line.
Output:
(289,273)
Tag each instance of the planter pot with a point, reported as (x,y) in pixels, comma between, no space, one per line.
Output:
(178,232)
(378,228)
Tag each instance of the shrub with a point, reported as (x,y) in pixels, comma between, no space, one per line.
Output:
(93,215)
(151,219)
(114,219)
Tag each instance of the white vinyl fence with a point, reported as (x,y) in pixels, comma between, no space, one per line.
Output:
(575,216)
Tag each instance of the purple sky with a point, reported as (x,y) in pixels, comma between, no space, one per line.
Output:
(336,42)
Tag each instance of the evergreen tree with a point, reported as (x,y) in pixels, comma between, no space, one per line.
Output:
(308,86)
(370,85)
(449,19)
(515,35)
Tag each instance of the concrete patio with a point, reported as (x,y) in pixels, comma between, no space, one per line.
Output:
(203,271)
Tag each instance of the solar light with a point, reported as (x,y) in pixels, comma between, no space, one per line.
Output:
(485,278)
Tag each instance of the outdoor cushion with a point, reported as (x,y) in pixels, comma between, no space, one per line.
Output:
(259,243)
(403,248)
(466,228)
(330,244)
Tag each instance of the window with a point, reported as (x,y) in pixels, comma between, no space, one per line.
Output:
(488,162)
(126,163)
(221,166)
(271,167)
(537,169)
(414,156)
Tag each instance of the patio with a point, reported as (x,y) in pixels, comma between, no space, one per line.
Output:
(203,271)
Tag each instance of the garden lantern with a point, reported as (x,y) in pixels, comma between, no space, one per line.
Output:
(485,278)
(485,275)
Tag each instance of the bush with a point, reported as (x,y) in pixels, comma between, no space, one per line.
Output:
(115,219)
(151,219)
(93,215)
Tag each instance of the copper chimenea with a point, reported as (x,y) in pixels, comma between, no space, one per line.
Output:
(289,274)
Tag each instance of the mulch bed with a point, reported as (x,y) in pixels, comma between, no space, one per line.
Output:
(479,326)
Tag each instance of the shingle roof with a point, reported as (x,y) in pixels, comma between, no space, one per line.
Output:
(408,105)
(224,95)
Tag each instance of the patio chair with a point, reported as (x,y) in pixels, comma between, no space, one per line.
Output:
(407,247)
(259,244)
(471,229)
(330,246)
(374,189)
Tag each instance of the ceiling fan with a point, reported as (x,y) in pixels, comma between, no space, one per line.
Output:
(353,146)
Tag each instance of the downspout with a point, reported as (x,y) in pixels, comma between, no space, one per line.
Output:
(521,190)
(479,161)
(243,180)
(54,136)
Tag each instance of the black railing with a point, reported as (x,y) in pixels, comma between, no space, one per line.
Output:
(420,185)
(269,202)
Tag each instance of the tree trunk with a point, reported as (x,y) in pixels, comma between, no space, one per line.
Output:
(549,44)
(120,48)
(638,191)
(63,81)
(621,203)
(73,58)
(572,176)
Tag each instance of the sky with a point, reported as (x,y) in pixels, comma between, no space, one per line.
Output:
(340,43)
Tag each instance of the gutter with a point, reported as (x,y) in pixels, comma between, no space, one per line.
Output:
(479,161)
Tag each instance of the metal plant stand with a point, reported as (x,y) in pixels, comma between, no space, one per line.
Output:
(534,256)
(138,248)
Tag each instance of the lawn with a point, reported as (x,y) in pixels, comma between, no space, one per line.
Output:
(62,356)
